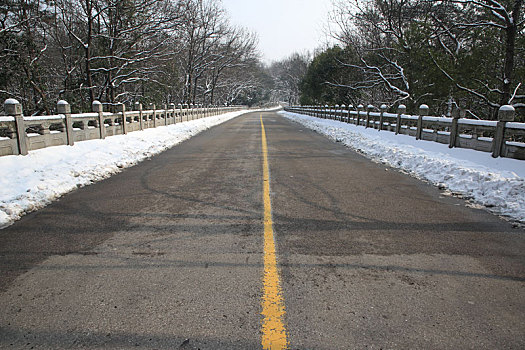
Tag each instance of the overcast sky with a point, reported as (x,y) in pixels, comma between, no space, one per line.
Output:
(283,26)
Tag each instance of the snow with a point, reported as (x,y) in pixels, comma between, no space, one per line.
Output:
(33,181)
(514,125)
(498,184)
(11,101)
(44,117)
(478,122)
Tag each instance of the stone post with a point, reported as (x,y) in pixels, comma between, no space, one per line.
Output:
(154,116)
(382,116)
(359,109)
(141,116)
(401,109)
(64,108)
(96,107)
(369,109)
(506,114)
(454,129)
(423,111)
(172,107)
(122,110)
(13,108)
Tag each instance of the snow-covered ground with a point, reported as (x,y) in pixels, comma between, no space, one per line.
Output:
(31,182)
(495,183)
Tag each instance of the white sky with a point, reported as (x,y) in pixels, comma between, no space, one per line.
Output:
(283,26)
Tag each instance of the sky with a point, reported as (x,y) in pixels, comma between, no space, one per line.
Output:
(283,26)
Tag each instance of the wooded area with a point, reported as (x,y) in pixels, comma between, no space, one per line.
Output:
(467,54)
(148,51)
(454,53)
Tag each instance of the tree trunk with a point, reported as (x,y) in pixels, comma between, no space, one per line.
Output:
(510,46)
(89,78)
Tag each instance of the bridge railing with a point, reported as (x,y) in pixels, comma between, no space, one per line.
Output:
(20,134)
(503,138)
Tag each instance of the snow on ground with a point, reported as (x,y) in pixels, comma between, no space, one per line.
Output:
(33,181)
(495,183)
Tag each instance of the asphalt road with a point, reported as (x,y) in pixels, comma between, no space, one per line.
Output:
(169,255)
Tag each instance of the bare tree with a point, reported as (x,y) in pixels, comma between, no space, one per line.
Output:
(236,51)
(24,37)
(288,74)
(504,21)
(381,34)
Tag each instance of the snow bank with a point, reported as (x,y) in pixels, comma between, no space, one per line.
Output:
(31,182)
(495,183)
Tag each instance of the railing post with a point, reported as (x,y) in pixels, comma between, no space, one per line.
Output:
(165,114)
(172,106)
(141,116)
(348,115)
(454,129)
(423,111)
(369,109)
(154,116)
(64,108)
(97,107)
(343,108)
(122,110)
(401,109)
(13,108)
(505,114)
(381,116)
(359,109)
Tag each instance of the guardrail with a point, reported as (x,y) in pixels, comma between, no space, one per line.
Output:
(20,134)
(503,138)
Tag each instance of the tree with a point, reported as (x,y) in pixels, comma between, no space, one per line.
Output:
(24,43)
(153,51)
(487,33)
(450,52)
(288,75)
(327,80)
(379,32)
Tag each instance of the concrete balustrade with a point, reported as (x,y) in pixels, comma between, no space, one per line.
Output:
(20,134)
(502,138)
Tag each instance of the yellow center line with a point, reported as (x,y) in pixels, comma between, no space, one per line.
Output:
(273,311)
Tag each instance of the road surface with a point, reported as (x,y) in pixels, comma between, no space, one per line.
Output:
(176,253)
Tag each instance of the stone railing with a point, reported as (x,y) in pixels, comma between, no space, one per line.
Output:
(503,138)
(20,134)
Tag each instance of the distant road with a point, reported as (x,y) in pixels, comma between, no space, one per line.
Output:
(171,254)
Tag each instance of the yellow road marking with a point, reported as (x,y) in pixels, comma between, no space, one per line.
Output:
(273,330)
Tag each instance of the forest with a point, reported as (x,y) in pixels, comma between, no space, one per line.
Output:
(454,54)
(125,51)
